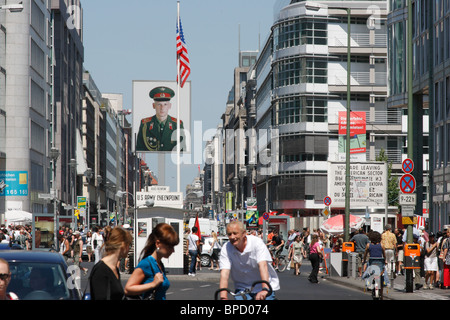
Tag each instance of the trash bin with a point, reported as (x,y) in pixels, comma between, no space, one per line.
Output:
(412,256)
(347,248)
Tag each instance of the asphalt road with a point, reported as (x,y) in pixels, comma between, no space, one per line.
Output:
(292,287)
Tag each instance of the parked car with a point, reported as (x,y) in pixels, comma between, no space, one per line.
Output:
(7,246)
(205,256)
(52,282)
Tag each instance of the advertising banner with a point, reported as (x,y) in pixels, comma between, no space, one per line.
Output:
(14,183)
(154,116)
(229,201)
(357,135)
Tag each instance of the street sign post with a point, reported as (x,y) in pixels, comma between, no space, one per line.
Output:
(326,212)
(407,166)
(409,220)
(407,183)
(408,199)
(407,211)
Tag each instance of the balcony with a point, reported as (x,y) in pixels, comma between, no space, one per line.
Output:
(359,40)
(387,117)
(361,79)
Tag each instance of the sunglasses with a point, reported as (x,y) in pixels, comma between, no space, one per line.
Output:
(4,276)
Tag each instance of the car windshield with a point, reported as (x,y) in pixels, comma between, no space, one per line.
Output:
(38,281)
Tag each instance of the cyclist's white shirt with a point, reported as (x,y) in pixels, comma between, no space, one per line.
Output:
(244,270)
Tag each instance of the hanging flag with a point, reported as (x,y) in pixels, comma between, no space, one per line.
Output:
(182,55)
(197,224)
(420,222)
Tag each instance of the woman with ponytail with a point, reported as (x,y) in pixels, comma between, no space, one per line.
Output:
(148,279)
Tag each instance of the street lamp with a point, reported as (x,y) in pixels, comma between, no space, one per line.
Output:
(317,7)
(235,182)
(120,194)
(89,173)
(73,165)
(15,7)
(99,181)
(54,155)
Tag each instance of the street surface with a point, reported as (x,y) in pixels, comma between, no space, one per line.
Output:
(203,287)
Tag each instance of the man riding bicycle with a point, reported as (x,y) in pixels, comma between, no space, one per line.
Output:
(247,260)
(276,246)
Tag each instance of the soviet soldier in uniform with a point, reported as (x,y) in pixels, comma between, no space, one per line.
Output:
(157,133)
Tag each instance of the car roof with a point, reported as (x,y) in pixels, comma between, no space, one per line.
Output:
(31,256)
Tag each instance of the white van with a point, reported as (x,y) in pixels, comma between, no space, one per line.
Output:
(206,226)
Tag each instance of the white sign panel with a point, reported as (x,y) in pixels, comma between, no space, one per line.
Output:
(408,199)
(408,211)
(158,189)
(161,199)
(367,184)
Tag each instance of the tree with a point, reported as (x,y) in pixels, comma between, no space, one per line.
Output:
(393,190)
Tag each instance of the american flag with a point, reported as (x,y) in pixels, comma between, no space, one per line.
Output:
(182,56)
(420,222)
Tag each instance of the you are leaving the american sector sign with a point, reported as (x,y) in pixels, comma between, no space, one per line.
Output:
(368,184)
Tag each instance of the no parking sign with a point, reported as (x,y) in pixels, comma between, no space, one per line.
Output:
(407,183)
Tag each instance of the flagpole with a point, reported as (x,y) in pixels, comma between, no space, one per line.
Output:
(178,105)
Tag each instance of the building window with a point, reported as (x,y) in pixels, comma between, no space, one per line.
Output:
(397,58)
(37,177)
(300,70)
(301,109)
(300,32)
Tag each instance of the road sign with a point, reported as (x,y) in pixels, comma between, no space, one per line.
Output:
(326,212)
(408,199)
(327,201)
(407,183)
(409,220)
(407,211)
(266,216)
(407,166)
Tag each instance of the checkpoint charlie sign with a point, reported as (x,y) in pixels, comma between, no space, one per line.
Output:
(161,199)
(368,184)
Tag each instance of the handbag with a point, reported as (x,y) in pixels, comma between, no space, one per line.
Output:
(441,254)
(149,295)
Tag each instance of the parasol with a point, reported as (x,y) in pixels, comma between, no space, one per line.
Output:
(335,225)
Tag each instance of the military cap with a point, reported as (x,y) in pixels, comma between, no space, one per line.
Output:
(161,94)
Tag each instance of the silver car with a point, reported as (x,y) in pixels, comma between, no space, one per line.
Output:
(205,256)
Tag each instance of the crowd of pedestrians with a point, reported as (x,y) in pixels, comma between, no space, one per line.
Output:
(16,235)
(109,249)
(434,271)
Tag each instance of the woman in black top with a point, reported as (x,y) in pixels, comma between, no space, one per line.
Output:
(105,277)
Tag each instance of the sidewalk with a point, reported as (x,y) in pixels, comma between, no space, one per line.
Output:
(397,292)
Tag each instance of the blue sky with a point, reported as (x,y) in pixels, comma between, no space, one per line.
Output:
(135,40)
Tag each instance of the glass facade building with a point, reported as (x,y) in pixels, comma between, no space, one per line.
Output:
(301,76)
(430,68)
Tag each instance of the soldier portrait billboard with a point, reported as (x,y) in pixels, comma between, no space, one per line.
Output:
(154,115)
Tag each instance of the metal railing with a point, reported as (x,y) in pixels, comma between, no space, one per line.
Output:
(387,117)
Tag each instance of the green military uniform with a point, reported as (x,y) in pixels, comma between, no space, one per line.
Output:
(154,135)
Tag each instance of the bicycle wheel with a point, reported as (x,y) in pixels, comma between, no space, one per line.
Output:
(282,264)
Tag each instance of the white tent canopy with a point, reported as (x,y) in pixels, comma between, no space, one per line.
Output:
(18,217)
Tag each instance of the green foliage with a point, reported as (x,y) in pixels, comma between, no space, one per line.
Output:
(393,189)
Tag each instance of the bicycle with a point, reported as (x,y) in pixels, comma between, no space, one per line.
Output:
(282,263)
(244,294)
(374,277)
